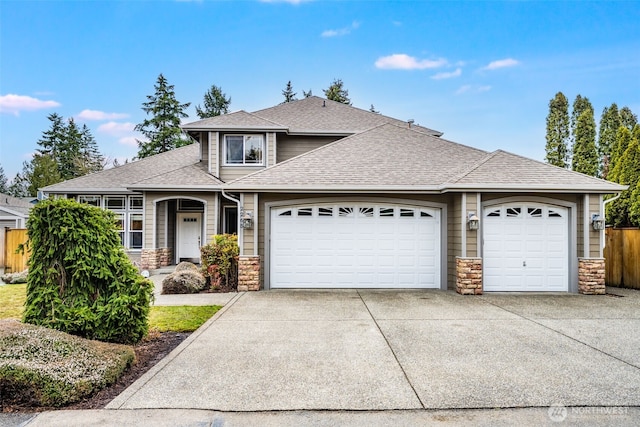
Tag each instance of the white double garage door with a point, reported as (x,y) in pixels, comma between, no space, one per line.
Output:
(361,245)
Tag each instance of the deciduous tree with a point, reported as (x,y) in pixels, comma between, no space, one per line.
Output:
(162,129)
(215,102)
(557,152)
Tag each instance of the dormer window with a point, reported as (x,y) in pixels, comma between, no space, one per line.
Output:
(244,149)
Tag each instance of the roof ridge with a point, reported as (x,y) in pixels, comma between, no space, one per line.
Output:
(331,144)
(473,167)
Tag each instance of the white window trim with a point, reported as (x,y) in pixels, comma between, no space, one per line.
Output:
(243,164)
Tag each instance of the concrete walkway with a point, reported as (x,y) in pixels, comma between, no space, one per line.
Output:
(394,358)
(186,299)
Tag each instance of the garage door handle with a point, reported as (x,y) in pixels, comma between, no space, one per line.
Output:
(524,263)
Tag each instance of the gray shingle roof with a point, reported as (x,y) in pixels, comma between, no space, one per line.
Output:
(118,180)
(387,156)
(236,120)
(309,115)
(188,177)
(393,158)
(15,204)
(504,170)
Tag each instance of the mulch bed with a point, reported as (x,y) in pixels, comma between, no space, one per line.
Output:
(149,352)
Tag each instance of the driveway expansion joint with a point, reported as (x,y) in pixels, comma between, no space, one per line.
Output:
(563,334)
(392,351)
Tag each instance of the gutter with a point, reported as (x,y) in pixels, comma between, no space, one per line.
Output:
(237,202)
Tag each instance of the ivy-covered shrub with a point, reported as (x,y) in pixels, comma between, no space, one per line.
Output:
(220,262)
(13,278)
(185,281)
(80,279)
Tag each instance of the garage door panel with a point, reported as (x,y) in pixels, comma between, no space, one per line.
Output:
(355,246)
(527,251)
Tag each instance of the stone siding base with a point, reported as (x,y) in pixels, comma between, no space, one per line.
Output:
(151,259)
(591,276)
(469,276)
(248,273)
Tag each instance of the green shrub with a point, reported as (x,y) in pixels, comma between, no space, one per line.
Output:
(43,367)
(80,280)
(220,261)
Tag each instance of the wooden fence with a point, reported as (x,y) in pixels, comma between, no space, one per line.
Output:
(622,256)
(15,262)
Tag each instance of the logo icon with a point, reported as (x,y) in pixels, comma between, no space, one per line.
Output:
(557,413)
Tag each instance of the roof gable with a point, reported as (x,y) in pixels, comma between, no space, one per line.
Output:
(236,120)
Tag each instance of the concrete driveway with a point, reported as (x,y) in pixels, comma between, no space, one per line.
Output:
(388,350)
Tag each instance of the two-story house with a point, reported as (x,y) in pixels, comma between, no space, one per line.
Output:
(326,195)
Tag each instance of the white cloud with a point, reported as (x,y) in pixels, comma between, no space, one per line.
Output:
(116,129)
(100,115)
(463,89)
(501,63)
(14,104)
(401,61)
(447,75)
(341,31)
(481,89)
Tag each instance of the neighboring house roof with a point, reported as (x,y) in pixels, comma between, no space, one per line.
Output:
(394,158)
(239,120)
(15,205)
(153,169)
(312,115)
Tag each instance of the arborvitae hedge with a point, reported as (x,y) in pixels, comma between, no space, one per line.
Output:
(80,280)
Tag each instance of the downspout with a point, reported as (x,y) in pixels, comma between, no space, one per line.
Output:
(237,202)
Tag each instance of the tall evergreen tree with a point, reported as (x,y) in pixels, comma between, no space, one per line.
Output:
(609,124)
(40,172)
(623,212)
(627,118)
(585,156)
(215,102)
(89,158)
(557,152)
(337,92)
(373,109)
(4,182)
(288,93)
(307,94)
(623,139)
(162,129)
(18,187)
(580,106)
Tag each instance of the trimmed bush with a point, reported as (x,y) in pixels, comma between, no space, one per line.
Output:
(220,262)
(14,278)
(184,265)
(80,279)
(183,282)
(44,367)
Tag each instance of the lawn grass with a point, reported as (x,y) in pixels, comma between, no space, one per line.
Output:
(12,299)
(181,318)
(161,318)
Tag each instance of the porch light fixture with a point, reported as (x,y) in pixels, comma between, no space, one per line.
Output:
(473,221)
(246,219)
(597,222)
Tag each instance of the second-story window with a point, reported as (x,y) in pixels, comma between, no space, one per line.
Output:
(244,149)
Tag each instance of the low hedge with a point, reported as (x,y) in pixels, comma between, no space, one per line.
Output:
(45,367)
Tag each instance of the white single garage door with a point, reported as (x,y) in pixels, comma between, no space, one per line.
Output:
(354,246)
(526,248)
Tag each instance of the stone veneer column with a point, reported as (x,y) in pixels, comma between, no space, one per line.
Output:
(591,276)
(149,259)
(469,276)
(248,273)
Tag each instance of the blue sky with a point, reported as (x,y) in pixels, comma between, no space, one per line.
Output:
(481,72)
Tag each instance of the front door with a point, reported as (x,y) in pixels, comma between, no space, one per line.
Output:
(189,236)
